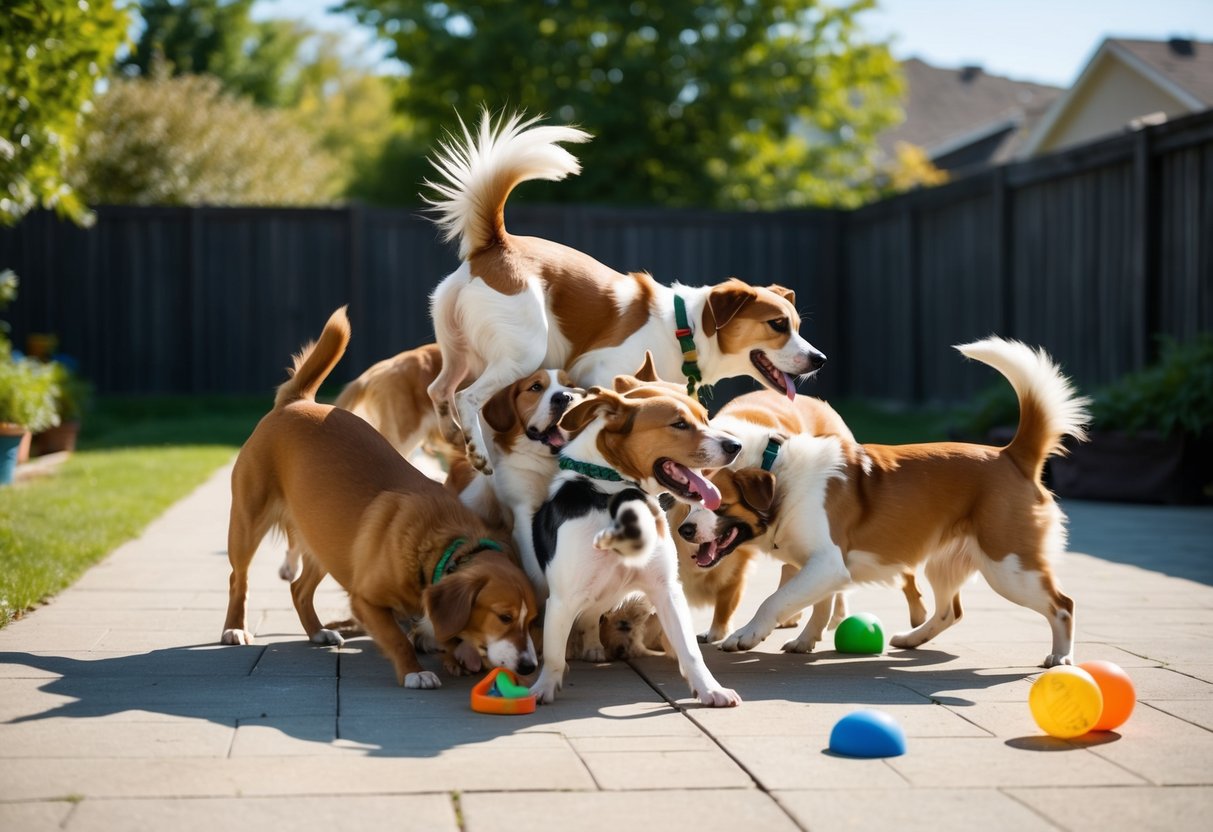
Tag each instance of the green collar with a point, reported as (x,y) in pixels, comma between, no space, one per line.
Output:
(484,543)
(769,453)
(589,469)
(686,341)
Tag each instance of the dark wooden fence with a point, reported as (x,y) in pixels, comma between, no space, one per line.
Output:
(1090,253)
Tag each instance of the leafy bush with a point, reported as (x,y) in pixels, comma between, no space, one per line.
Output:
(75,393)
(185,141)
(1175,395)
(28,391)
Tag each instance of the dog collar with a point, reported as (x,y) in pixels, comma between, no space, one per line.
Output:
(589,469)
(483,543)
(690,355)
(769,453)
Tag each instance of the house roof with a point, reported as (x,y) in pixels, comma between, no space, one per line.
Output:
(1181,67)
(1188,64)
(948,108)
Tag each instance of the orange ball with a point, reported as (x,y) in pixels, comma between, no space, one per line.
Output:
(1119,696)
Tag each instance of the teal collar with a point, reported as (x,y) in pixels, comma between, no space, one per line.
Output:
(686,342)
(589,469)
(483,543)
(769,453)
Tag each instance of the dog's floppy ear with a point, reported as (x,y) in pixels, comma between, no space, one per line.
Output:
(724,302)
(576,418)
(449,603)
(498,411)
(757,488)
(783,292)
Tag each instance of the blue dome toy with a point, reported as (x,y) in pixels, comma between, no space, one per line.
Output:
(868,733)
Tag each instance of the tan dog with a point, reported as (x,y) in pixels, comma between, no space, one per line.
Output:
(397,541)
(844,512)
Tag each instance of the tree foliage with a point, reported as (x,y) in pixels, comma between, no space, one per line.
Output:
(737,103)
(185,141)
(52,52)
(219,37)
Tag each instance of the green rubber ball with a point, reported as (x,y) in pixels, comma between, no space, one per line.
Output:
(860,633)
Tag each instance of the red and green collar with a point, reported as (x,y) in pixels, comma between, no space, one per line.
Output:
(690,355)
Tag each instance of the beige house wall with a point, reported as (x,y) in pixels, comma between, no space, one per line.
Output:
(1112,97)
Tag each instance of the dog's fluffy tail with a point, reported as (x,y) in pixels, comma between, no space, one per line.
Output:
(1049,407)
(478,171)
(315,361)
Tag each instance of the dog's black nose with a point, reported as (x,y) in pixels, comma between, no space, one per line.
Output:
(561,398)
(525,667)
(687,530)
(624,626)
(730,446)
(816,360)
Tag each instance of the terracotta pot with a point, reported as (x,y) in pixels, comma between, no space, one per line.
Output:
(61,438)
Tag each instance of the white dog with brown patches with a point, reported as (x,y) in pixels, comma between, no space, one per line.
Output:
(844,512)
(520,303)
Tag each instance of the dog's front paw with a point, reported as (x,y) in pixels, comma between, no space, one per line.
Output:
(798,645)
(468,657)
(744,639)
(720,698)
(327,637)
(904,641)
(1056,659)
(790,621)
(425,680)
(545,688)
(479,461)
(236,637)
(594,653)
(624,535)
(712,636)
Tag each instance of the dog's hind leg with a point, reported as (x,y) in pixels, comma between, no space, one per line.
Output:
(558,620)
(382,626)
(909,588)
(454,349)
(303,592)
(946,572)
(1026,580)
(248,523)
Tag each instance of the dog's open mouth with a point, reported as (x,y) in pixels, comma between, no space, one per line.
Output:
(709,554)
(553,437)
(778,379)
(685,483)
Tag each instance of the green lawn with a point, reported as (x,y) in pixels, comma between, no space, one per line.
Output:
(136,457)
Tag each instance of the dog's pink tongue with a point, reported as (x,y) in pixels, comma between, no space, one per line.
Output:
(706,491)
(789,384)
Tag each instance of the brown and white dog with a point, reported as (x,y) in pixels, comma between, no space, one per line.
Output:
(398,542)
(391,395)
(844,512)
(519,303)
(526,437)
(601,535)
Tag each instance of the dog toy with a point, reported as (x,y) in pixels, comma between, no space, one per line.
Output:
(868,733)
(1065,702)
(1119,696)
(860,633)
(500,693)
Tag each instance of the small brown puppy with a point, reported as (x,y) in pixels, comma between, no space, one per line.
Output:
(397,541)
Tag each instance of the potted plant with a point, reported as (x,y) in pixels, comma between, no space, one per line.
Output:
(1151,437)
(72,398)
(27,404)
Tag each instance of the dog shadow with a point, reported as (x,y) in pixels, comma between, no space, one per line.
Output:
(293,694)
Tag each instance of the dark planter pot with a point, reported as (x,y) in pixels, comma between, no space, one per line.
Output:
(61,438)
(1139,468)
(10,446)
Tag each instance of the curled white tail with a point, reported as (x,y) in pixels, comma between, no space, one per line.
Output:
(1049,406)
(478,171)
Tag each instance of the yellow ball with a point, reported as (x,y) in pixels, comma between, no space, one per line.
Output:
(1065,702)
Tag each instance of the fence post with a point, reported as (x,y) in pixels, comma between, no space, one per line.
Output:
(1145,246)
(1004,272)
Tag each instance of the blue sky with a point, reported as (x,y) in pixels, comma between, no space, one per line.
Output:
(1038,40)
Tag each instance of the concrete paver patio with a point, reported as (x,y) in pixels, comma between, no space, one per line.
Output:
(118,710)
